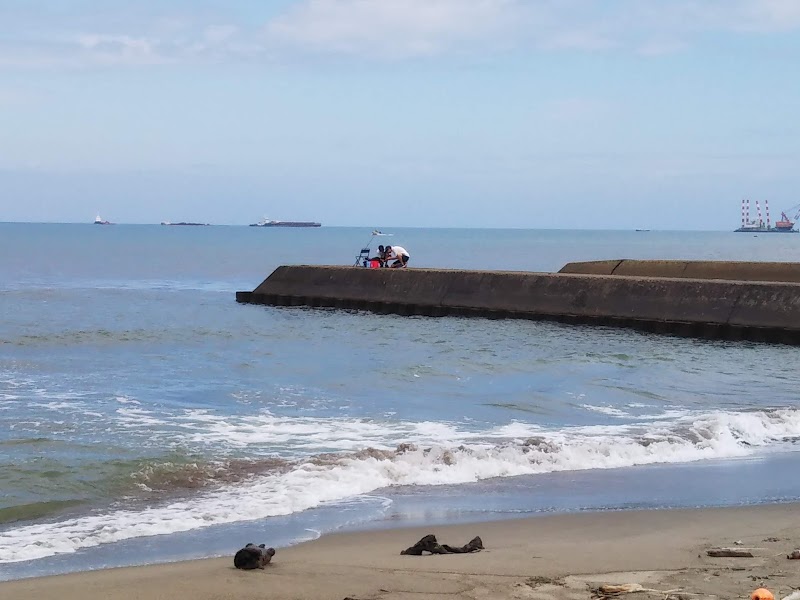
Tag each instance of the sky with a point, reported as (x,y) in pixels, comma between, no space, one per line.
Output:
(587,114)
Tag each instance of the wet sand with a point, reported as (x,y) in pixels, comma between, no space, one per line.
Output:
(561,556)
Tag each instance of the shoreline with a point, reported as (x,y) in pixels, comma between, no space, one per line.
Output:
(552,556)
(651,487)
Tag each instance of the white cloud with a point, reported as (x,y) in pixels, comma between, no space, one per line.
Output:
(586,40)
(409,28)
(160,45)
(391,29)
(119,49)
(771,15)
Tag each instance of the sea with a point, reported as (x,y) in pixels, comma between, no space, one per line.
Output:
(147,417)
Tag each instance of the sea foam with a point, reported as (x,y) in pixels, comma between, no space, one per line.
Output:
(345,458)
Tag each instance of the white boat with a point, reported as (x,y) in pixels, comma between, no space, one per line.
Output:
(99,221)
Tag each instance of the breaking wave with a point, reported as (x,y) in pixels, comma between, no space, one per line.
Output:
(364,456)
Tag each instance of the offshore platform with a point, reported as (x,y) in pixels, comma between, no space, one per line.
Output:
(758,225)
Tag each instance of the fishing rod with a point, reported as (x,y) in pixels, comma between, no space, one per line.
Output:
(365,248)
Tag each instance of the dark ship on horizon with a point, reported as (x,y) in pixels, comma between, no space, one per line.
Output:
(270,223)
(186,224)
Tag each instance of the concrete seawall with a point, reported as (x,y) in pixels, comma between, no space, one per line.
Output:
(759,311)
(690,269)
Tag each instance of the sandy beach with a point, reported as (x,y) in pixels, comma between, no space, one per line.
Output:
(562,556)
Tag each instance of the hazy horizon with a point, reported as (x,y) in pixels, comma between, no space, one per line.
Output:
(387,229)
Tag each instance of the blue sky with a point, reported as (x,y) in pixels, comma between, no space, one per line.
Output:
(615,114)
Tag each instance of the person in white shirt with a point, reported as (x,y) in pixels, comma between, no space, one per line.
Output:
(399,255)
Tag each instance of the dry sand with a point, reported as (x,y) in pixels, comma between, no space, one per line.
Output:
(552,557)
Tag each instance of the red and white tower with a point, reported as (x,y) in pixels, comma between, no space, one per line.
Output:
(758,210)
(744,222)
(747,211)
(766,208)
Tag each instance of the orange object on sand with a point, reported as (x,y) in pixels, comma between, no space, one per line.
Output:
(762,594)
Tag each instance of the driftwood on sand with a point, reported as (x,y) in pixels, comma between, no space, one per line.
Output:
(429,544)
(606,591)
(730,553)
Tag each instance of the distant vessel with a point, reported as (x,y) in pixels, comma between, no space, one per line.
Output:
(785,225)
(99,221)
(270,223)
(186,224)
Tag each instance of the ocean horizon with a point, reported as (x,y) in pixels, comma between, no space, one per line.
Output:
(368,228)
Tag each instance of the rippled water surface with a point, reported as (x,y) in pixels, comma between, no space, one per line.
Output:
(137,399)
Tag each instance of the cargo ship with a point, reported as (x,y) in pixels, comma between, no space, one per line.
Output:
(270,223)
(186,223)
(99,221)
(759,225)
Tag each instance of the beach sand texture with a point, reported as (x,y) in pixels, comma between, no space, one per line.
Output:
(553,557)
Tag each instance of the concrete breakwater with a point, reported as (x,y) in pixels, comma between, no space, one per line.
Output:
(710,308)
(690,269)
